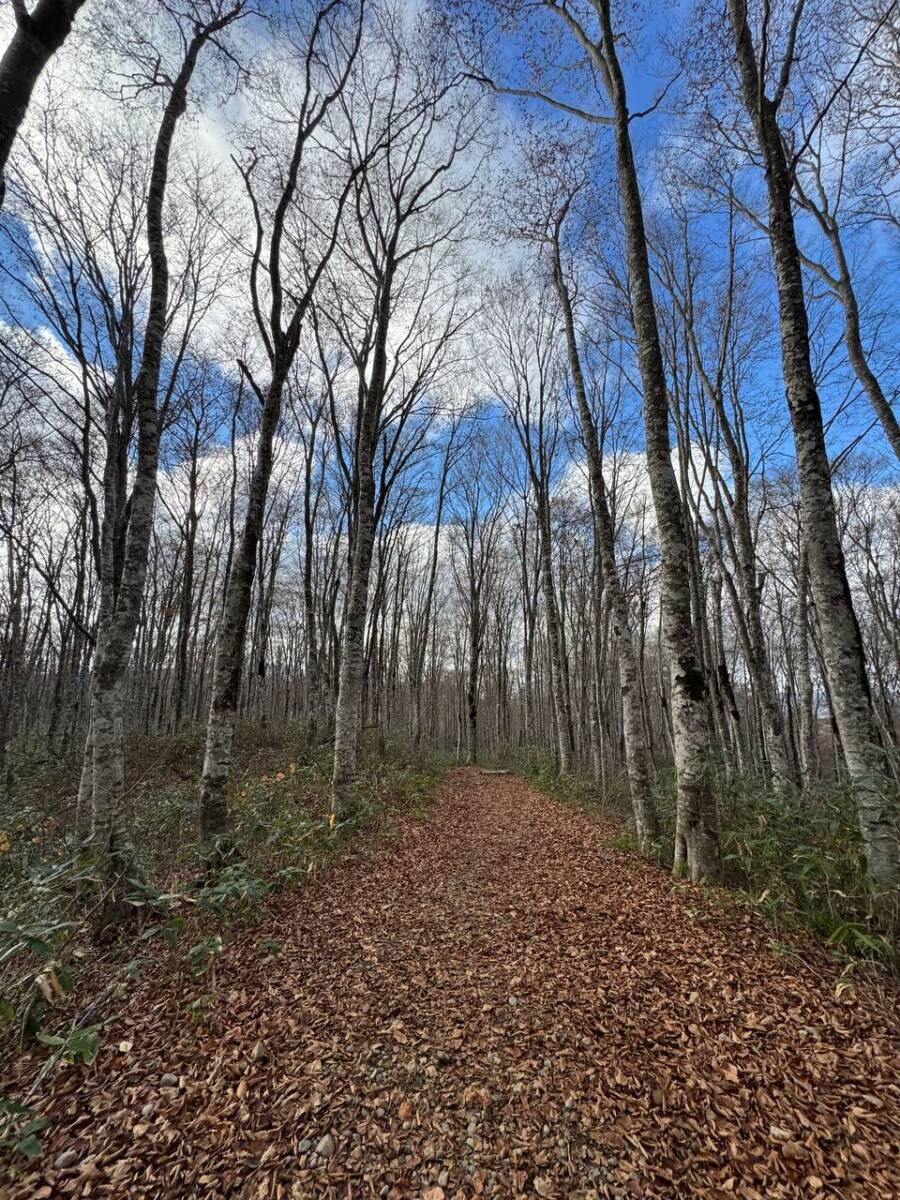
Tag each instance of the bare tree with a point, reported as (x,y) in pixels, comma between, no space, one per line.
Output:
(527,380)
(331,45)
(841,640)
(121,599)
(476,524)
(592,32)
(636,758)
(407,216)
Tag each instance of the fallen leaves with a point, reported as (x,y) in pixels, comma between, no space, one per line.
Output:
(497,1004)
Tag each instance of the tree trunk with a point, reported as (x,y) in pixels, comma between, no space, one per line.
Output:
(110,839)
(423,635)
(347,710)
(232,633)
(561,703)
(808,732)
(843,288)
(475,635)
(313,685)
(841,640)
(185,601)
(744,593)
(645,819)
(857,355)
(697,838)
(37,37)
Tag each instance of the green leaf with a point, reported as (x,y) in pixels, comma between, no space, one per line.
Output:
(50,1039)
(84,1044)
(30,1146)
(38,1125)
(14,1108)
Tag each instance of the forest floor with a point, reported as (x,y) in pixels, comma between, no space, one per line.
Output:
(497,1002)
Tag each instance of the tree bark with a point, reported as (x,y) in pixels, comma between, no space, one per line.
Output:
(558,683)
(645,819)
(347,710)
(808,734)
(472,673)
(697,838)
(423,635)
(37,37)
(110,837)
(189,535)
(232,633)
(841,640)
(843,288)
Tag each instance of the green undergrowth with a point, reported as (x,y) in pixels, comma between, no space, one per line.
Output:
(799,862)
(59,987)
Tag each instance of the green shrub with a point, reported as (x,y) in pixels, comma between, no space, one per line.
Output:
(283,835)
(798,860)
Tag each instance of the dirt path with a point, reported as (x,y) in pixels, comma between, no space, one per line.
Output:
(497,1004)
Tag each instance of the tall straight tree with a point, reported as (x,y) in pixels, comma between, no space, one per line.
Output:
(408,213)
(636,757)
(420,623)
(121,600)
(556,171)
(842,646)
(592,35)
(717,501)
(332,41)
(526,377)
(476,524)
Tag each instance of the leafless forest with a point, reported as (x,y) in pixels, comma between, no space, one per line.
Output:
(397,383)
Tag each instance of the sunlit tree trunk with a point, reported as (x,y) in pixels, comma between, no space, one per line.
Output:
(110,836)
(423,634)
(645,820)
(808,735)
(697,838)
(347,710)
(558,682)
(841,640)
(844,290)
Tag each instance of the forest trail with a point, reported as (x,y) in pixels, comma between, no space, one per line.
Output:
(496,1003)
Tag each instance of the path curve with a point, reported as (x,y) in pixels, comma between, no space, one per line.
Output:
(497,1003)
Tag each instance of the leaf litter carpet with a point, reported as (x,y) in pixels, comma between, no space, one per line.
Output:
(497,1003)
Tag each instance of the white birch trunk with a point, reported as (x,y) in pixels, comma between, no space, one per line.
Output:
(841,640)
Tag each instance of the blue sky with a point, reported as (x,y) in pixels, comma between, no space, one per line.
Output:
(648,66)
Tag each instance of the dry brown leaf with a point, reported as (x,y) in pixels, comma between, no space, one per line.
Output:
(657,1048)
